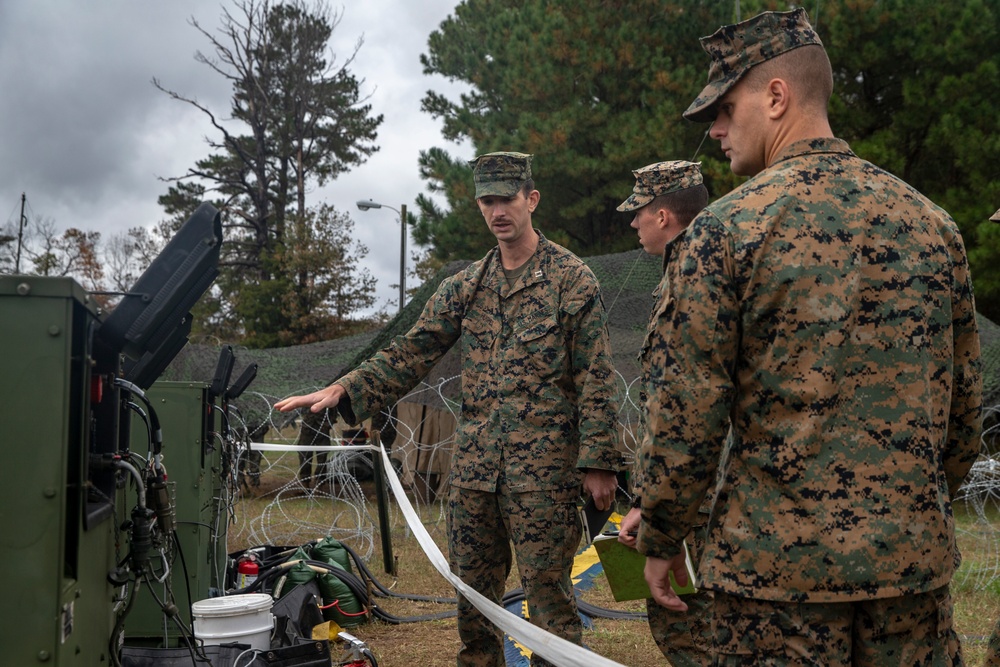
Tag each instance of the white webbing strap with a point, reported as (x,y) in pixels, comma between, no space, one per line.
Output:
(555,649)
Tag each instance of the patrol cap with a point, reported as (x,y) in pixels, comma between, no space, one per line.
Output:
(738,47)
(500,174)
(995,217)
(660,178)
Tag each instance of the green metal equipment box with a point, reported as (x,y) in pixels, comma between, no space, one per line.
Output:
(57,545)
(192,455)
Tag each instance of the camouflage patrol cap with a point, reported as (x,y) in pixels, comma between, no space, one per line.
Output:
(500,174)
(660,178)
(995,217)
(736,48)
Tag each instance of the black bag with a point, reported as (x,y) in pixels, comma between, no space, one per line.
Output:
(295,615)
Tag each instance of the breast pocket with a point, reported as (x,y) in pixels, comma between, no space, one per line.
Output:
(479,336)
(542,348)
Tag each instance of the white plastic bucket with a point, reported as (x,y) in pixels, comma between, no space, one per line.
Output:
(242,618)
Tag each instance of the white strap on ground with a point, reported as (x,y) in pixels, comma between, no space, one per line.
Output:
(555,649)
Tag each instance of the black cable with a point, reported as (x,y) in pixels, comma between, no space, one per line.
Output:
(352,581)
(371,656)
(145,420)
(184,569)
(185,632)
(120,624)
(277,558)
(156,435)
(592,610)
(385,592)
(225,419)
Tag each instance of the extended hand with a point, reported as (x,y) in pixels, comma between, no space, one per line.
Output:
(316,401)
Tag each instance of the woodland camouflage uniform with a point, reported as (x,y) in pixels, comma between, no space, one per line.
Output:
(538,407)
(314,431)
(685,637)
(824,310)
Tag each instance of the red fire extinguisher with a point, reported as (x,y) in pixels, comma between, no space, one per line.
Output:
(247,570)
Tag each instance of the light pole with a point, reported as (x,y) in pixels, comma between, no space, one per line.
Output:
(401,211)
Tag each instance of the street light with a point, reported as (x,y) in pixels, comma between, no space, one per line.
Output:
(401,211)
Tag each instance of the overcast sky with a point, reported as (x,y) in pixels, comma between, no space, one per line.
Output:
(86,135)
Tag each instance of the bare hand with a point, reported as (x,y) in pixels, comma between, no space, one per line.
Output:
(658,577)
(316,401)
(629,528)
(602,485)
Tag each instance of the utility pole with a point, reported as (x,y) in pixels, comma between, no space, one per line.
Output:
(369,204)
(20,236)
(402,256)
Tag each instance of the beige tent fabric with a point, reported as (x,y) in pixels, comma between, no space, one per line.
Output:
(424,441)
(424,445)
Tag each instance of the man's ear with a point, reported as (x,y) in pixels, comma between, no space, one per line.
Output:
(778,98)
(663,218)
(533,197)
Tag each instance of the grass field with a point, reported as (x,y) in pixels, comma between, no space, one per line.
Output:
(435,643)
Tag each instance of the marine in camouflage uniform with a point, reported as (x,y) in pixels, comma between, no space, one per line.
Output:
(314,431)
(824,311)
(666,197)
(538,408)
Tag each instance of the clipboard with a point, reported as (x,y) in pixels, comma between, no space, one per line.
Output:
(624,567)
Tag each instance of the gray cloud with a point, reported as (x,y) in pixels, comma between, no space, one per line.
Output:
(86,135)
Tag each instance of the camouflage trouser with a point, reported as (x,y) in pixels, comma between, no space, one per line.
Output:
(993,650)
(545,529)
(913,630)
(307,475)
(314,431)
(685,638)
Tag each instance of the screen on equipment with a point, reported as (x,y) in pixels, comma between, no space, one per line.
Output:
(153,318)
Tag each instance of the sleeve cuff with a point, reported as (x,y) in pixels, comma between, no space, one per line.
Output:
(346,411)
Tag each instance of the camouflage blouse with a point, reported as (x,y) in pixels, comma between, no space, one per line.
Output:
(824,309)
(538,390)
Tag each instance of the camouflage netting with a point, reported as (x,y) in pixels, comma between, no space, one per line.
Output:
(627,280)
(989,338)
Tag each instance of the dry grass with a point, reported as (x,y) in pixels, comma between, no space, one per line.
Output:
(628,642)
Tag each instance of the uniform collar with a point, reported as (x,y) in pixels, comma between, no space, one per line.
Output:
(813,146)
(535,271)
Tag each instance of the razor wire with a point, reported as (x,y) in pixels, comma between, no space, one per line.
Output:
(980,496)
(336,503)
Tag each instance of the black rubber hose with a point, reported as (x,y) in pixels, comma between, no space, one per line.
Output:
(385,592)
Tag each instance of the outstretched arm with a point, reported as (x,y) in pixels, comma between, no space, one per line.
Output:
(316,401)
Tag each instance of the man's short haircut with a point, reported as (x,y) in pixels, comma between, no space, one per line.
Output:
(807,69)
(685,204)
(527,187)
